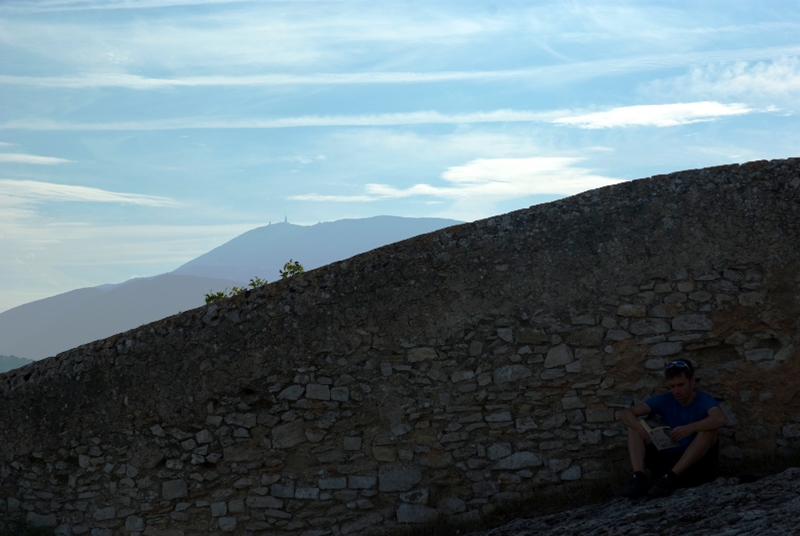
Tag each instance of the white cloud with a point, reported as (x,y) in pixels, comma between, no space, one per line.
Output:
(39,192)
(31,159)
(658,115)
(132,81)
(766,80)
(390,119)
(483,182)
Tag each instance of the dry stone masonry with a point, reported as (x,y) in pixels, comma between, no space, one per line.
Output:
(440,376)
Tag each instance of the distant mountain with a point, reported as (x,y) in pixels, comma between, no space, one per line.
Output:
(263,251)
(10,362)
(27,320)
(46,327)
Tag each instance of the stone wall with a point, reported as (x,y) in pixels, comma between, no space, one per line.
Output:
(439,376)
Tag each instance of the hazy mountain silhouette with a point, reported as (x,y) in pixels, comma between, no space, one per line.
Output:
(46,327)
(37,329)
(10,362)
(263,251)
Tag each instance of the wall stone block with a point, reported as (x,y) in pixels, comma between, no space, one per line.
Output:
(288,435)
(692,323)
(398,477)
(333,483)
(174,489)
(416,513)
(518,460)
(510,373)
(421,354)
(318,392)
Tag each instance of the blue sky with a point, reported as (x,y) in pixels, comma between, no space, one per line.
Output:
(136,135)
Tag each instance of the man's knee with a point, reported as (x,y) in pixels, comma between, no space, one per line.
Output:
(708,435)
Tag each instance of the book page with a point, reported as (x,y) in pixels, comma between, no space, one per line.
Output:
(660,436)
(661,439)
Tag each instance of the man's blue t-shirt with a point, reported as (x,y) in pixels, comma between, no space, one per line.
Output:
(676,414)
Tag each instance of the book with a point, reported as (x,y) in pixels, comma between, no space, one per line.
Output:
(660,436)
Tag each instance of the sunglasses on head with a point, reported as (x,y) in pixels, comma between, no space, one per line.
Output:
(681,364)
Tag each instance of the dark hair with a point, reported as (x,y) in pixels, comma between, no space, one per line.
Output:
(676,368)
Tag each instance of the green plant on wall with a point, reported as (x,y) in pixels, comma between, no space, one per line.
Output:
(291,268)
(255,282)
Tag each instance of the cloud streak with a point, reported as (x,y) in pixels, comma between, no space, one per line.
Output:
(69,5)
(39,192)
(658,115)
(389,119)
(545,75)
(20,158)
(488,180)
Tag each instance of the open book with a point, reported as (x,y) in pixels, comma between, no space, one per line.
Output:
(660,436)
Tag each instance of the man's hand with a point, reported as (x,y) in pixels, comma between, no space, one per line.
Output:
(679,432)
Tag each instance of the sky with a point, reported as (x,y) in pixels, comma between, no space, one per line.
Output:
(137,135)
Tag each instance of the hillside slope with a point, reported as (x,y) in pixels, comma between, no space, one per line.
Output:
(46,327)
(263,251)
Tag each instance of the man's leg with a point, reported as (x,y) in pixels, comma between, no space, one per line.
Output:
(636,450)
(699,446)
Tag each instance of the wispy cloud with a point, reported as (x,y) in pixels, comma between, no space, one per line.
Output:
(389,119)
(763,81)
(132,81)
(658,115)
(543,75)
(40,192)
(294,35)
(20,158)
(84,5)
(488,181)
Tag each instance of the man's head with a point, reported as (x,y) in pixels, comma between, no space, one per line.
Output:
(681,380)
(676,368)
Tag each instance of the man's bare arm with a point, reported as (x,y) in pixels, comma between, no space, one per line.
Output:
(715,420)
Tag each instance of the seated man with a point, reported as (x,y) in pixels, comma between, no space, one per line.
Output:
(694,418)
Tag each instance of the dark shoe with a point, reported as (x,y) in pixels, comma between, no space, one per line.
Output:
(636,488)
(661,487)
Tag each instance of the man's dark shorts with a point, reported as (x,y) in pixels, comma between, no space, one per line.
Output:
(704,470)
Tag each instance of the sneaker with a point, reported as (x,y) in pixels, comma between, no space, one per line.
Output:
(636,488)
(662,487)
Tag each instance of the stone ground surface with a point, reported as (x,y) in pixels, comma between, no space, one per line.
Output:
(770,506)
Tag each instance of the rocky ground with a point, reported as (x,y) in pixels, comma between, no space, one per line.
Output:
(770,506)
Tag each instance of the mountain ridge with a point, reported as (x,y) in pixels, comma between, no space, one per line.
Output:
(48,326)
(312,245)
(11,362)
